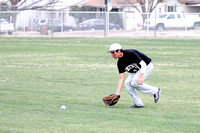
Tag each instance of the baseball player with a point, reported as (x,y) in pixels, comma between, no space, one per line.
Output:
(139,66)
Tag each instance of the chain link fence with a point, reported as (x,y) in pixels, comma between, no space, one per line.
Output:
(73,22)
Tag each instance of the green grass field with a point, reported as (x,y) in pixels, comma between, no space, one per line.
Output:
(38,75)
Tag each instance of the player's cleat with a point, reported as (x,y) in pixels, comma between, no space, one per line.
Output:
(157,95)
(136,106)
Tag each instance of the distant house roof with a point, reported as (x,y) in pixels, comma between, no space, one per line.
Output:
(114,3)
(189,2)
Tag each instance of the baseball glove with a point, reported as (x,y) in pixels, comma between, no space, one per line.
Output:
(111,99)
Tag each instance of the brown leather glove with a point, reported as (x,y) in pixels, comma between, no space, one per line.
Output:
(111,99)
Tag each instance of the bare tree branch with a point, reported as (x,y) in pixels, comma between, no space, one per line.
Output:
(145,9)
(34,3)
(19,5)
(137,9)
(31,6)
(22,3)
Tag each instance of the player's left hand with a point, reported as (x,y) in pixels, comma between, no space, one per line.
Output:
(139,81)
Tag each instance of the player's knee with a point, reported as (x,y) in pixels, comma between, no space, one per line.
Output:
(134,84)
(127,84)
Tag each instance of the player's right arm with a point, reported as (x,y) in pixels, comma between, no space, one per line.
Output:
(120,84)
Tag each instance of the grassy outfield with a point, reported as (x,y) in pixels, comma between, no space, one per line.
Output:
(38,75)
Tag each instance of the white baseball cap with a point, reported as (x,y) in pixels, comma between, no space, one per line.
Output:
(114,47)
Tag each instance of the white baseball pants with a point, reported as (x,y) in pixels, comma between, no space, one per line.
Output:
(132,86)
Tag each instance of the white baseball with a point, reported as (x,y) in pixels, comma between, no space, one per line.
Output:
(63,107)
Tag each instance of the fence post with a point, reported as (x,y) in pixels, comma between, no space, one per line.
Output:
(155,21)
(0,17)
(106,19)
(52,21)
(185,25)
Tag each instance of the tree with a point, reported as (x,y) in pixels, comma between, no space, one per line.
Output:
(147,6)
(147,9)
(81,17)
(21,5)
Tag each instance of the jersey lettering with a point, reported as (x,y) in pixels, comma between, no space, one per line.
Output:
(132,68)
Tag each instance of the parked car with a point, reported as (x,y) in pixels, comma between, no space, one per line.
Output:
(6,27)
(171,20)
(96,24)
(56,26)
(68,27)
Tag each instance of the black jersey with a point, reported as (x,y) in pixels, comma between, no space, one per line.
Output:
(130,61)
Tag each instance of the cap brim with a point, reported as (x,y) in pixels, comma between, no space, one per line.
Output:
(111,51)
